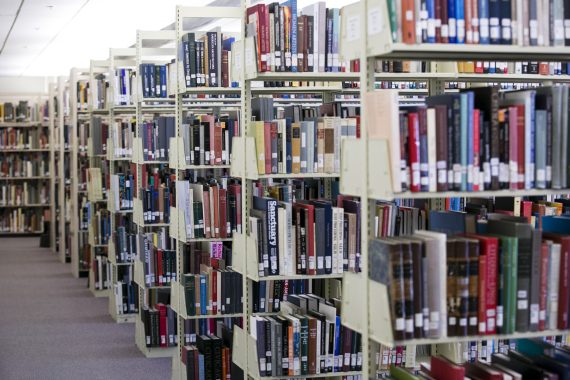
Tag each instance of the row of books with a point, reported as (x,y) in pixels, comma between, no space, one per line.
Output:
(100,221)
(122,134)
(476,140)
(24,194)
(126,292)
(23,111)
(311,237)
(156,136)
(100,92)
(502,276)
(82,93)
(505,22)
(156,193)
(24,165)
(211,208)
(531,67)
(207,59)
(532,359)
(125,86)
(289,40)
(154,79)
(160,325)
(21,221)
(101,269)
(268,295)
(309,341)
(159,262)
(125,244)
(310,146)
(122,189)
(99,133)
(208,138)
(213,292)
(18,138)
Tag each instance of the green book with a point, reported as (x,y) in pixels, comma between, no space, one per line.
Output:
(393,16)
(399,373)
(190,294)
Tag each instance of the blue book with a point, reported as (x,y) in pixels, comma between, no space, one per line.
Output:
(464,139)
(203,295)
(430,4)
(460,19)
(483,12)
(452,21)
(328,218)
(262,300)
(337,352)
(494,22)
(556,224)
(470,153)
(201,368)
(335,39)
(292,4)
(506,32)
(163,81)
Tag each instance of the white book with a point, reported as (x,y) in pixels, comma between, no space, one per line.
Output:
(436,253)
(432,158)
(553,287)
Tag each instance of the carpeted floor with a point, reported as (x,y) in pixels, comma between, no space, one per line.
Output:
(52,328)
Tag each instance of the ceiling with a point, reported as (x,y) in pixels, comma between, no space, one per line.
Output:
(49,37)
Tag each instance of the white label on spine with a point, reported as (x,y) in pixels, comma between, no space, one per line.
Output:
(534,313)
(463,322)
(522,304)
(521,294)
(400,324)
(409,325)
(375,20)
(452,27)
(473,321)
(444,31)
(558,30)
(409,15)
(419,320)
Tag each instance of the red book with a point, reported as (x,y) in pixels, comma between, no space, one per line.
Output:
(564,242)
(236,190)
(385,221)
(212,127)
(214,292)
(540,209)
(476,143)
(408,22)
(526,210)
(482,283)
(208,233)
(520,145)
(310,234)
(441,368)
(489,248)
(438,17)
(218,143)
(543,287)
(224,230)
(162,324)
(414,150)
(159,269)
(216,205)
(258,14)
(267,146)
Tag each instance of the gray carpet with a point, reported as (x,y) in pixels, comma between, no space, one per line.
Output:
(52,328)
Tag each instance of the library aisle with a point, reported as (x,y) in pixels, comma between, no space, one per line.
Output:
(61,331)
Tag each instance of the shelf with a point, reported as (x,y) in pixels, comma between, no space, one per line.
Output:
(30,206)
(100,112)
(119,318)
(24,150)
(244,355)
(210,90)
(306,76)
(244,163)
(139,277)
(20,234)
(138,154)
(150,352)
(25,124)
(464,52)
(179,306)
(35,178)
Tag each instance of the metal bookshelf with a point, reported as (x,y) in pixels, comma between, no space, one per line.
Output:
(77,160)
(118,58)
(52,145)
(151,47)
(96,196)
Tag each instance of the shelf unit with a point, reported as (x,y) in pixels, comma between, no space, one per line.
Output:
(78,162)
(118,58)
(38,123)
(365,171)
(151,47)
(97,196)
(52,91)
(184,105)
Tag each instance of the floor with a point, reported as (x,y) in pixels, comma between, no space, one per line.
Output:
(51,327)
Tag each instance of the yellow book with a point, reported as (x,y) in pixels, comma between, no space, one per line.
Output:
(260,145)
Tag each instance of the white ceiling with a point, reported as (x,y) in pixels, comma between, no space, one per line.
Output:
(49,37)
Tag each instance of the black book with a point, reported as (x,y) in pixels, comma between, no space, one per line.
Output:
(216,357)
(205,346)
(192,59)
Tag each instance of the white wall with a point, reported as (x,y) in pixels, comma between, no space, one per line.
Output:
(23,85)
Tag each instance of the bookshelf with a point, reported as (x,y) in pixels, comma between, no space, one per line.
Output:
(122,110)
(52,91)
(365,171)
(25,152)
(79,163)
(97,178)
(152,47)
